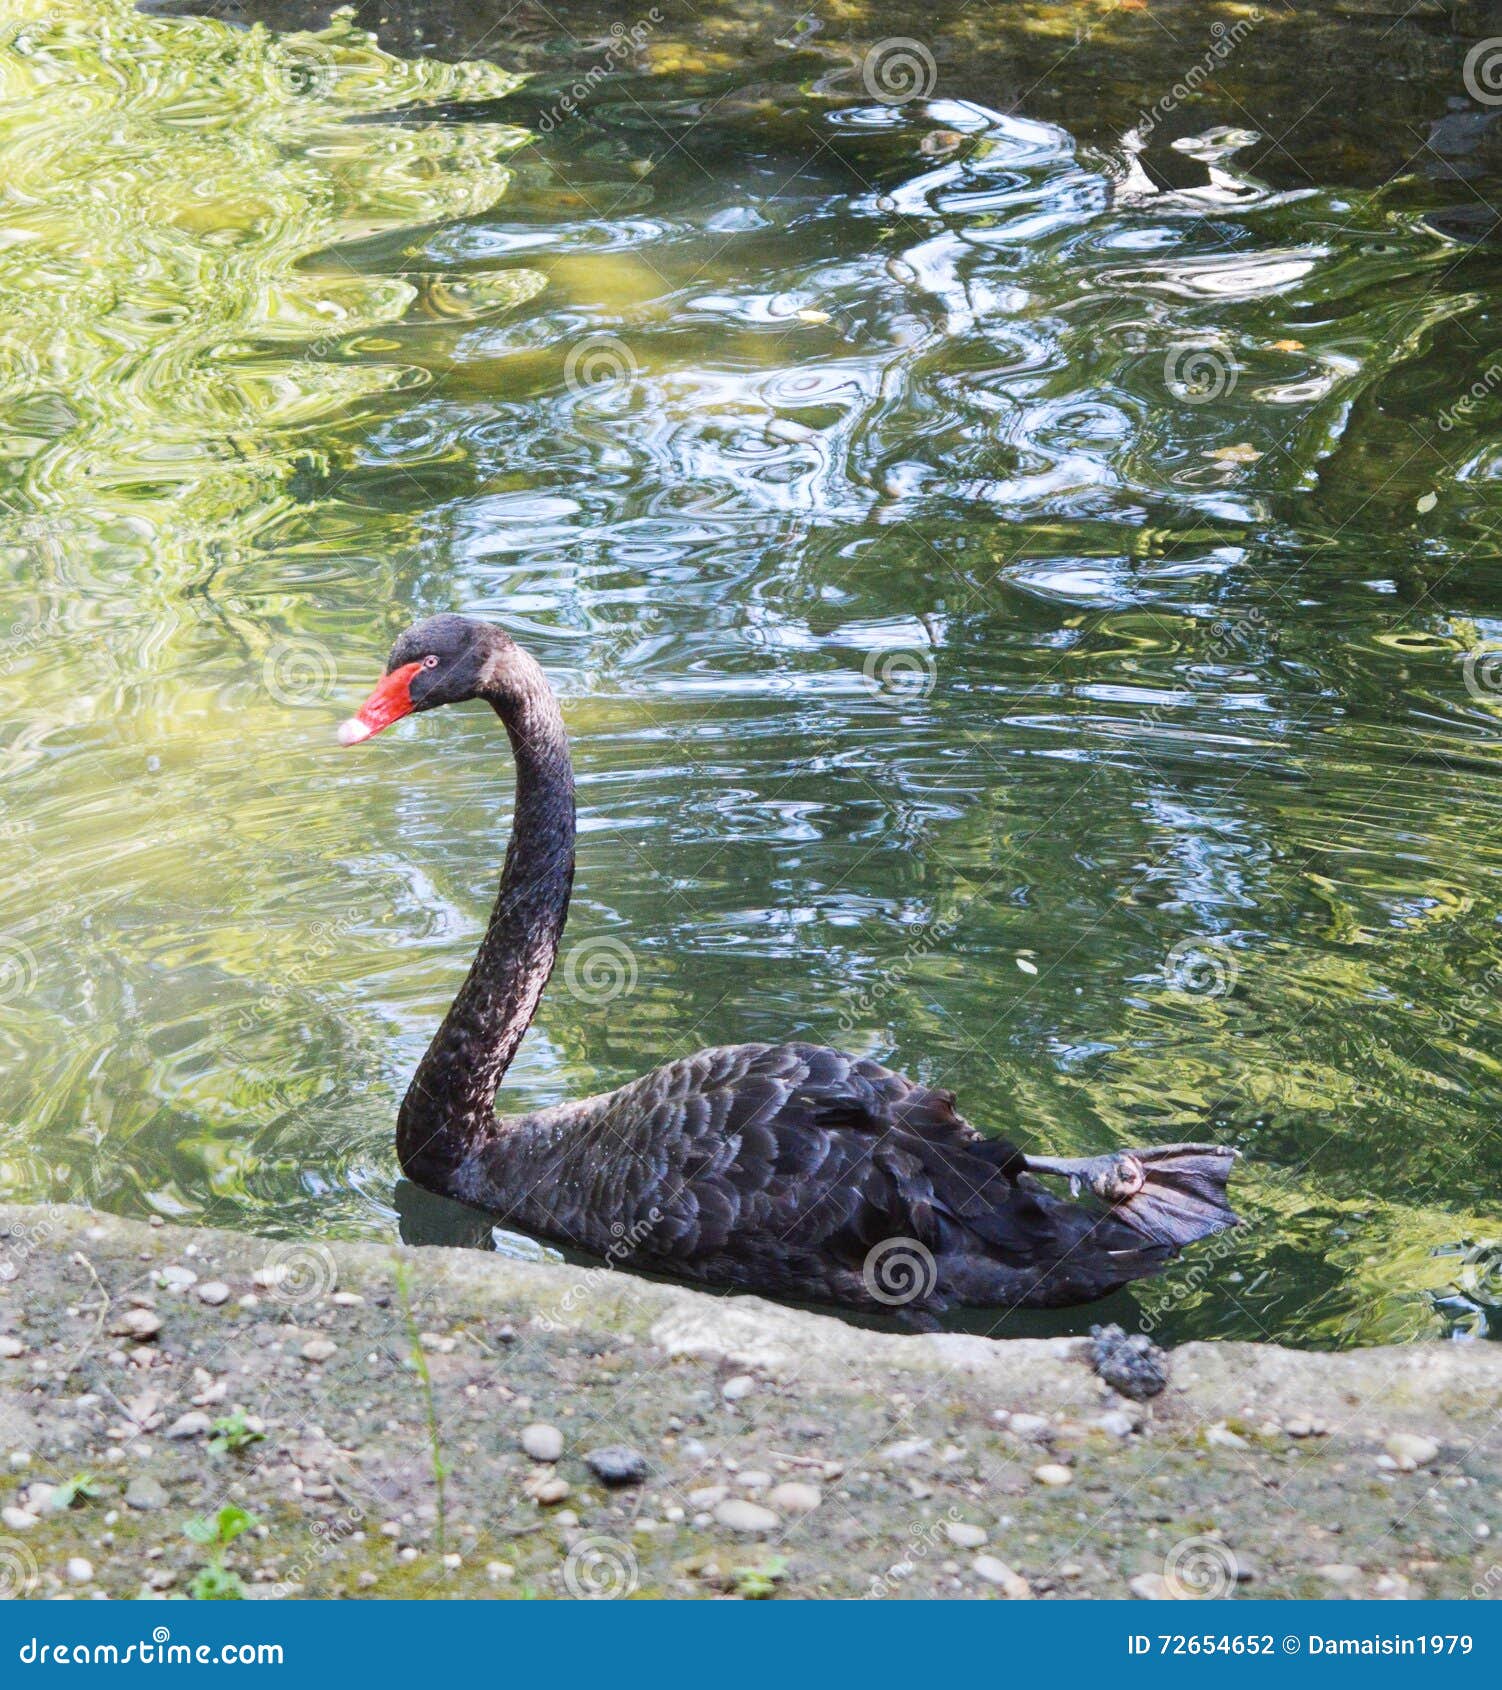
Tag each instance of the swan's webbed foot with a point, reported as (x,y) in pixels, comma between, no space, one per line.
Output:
(1171,1194)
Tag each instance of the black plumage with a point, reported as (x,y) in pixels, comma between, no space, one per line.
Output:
(792,1170)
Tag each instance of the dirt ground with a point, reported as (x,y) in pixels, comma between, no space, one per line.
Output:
(151,1376)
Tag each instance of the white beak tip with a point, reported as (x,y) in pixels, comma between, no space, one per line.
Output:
(353,731)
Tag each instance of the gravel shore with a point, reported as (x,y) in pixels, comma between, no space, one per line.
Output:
(600,1435)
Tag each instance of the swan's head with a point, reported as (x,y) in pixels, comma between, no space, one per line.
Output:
(445,660)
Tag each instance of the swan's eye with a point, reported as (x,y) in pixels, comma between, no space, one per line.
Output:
(430,662)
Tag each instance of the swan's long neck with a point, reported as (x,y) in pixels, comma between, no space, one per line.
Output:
(448,1109)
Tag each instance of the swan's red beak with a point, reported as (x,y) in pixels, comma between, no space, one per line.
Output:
(390,701)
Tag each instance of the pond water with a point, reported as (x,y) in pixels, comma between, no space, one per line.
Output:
(1013,516)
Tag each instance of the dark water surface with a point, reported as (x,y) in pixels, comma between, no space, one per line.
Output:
(1021,559)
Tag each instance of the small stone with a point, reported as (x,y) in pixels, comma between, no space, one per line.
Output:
(367,1580)
(1028,1425)
(742,1385)
(616,1464)
(453,1562)
(18,1519)
(1150,1587)
(547,1492)
(319,1349)
(1338,1572)
(137,1323)
(795,1497)
(708,1496)
(191,1425)
(346,1299)
(213,1292)
(1011,1584)
(908,1450)
(1392,1587)
(1116,1423)
(1223,1437)
(176,1278)
(542,1442)
(965,1536)
(1134,1366)
(10,1347)
(145,1493)
(499,1572)
(80,1571)
(1054,1474)
(1300,1426)
(748,1517)
(1411,1450)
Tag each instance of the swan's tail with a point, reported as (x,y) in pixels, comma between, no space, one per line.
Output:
(1172,1194)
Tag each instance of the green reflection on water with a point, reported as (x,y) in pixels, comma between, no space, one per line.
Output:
(1024,594)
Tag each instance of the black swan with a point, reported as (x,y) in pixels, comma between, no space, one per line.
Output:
(791,1170)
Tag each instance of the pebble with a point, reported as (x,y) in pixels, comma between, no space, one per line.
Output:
(10,1348)
(319,1349)
(190,1425)
(542,1442)
(1339,1572)
(1150,1587)
(1053,1473)
(145,1493)
(1116,1423)
(748,1517)
(616,1464)
(138,1323)
(498,1572)
(1222,1436)
(753,1478)
(80,1571)
(346,1299)
(1011,1584)
(965,1536)
(1304,1426)
(795,1497)
(546,1492)
(1028,1425)
(213,1292)
(742,1385)
(1411,1450)
(1134,1365)
(18,1519)
(907,1450)
(176,1278)
(708,1496)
